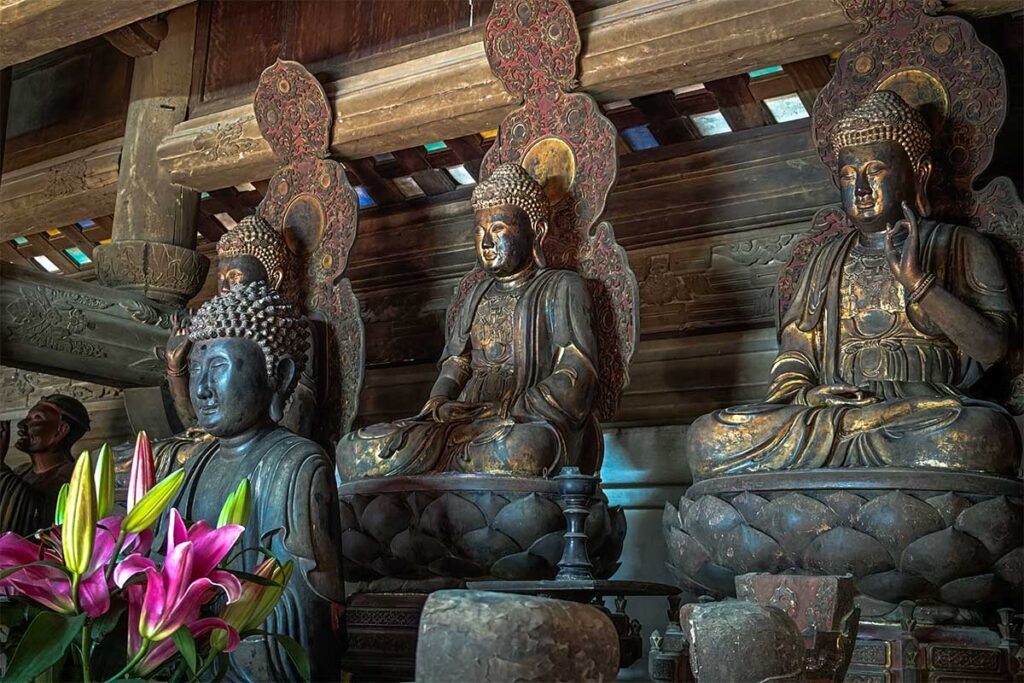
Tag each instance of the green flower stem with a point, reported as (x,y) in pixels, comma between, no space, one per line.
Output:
(86,651)
(143,649)
(109,574)
(210,659)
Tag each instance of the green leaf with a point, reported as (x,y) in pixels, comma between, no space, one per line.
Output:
(258,580)
(43,645)
(107,622)
(295,653)
(62,502)
(186,646)
(39,563)
(153,503)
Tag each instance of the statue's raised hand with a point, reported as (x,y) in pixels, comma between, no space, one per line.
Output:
(178,345)
(905,264)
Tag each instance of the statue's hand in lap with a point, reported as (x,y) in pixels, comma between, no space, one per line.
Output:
(839,395)
(454,411)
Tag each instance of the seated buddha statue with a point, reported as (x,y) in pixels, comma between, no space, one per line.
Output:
(890,325)
(517,383)
(247,353)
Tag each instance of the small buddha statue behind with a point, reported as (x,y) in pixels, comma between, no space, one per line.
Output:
(890,325)
(517,384)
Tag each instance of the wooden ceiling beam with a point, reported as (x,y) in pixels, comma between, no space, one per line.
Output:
(10,254)
(74,235)
(382,190)
(809,76)
(632,48)
(43,247)
(29,28)
(738,105)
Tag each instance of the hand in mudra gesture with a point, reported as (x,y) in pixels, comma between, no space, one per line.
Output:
(905,263)
(178,345)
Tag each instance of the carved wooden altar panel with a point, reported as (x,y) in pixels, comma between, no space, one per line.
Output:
(310,201)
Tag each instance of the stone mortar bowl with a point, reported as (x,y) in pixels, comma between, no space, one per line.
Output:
(463,526)
(949,541)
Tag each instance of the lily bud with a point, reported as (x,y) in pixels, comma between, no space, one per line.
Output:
(62,502)
(152,505)
(256,602)
(104,474)
(142,477)
(237,506)
(79,527)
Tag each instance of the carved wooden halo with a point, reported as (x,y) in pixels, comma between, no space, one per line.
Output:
(293,112)
(937,64)
(532,45)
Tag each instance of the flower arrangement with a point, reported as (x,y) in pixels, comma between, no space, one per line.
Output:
(89,592)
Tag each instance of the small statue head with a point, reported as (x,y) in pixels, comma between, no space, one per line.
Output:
(249,252)
(511,221)
(54,423)
(248,350)
(883,149)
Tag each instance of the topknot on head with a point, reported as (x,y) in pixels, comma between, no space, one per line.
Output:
(884,115)
(511,185)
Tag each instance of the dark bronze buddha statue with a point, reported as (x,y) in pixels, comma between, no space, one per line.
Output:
(247,352)
(890,325)
(28,493)
(517,384)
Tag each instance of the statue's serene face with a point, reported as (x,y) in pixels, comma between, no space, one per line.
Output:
(41,430)
(873,180)
(228,386)
(504,240)
(240,269)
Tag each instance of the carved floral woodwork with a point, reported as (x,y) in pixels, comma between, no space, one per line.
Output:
(310,201)
(162,272)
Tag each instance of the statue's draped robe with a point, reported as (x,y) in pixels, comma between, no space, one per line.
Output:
(889,349)
(295,514)
(546,385)
(27,499)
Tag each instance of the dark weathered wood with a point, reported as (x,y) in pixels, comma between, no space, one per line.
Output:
(5,100)
(382,190)
(809,76)
(139,39)
(42,247)
(29,28)
(11,254)
(737,104)
(666,121)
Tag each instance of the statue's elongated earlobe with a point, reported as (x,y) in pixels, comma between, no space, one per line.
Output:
(540,232)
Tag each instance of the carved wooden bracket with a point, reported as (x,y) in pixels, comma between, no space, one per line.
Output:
(80,330)
(139,39)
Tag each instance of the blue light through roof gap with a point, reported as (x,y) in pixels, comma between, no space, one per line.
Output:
(21,241)
(365,200)
(768,70)
(435,146)
(640,138)
(78,256)
(86,223)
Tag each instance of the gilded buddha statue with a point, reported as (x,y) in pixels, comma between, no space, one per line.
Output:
(517,383)
(247,352)
(890,324)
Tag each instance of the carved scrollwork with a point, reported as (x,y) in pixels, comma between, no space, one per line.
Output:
(162,272)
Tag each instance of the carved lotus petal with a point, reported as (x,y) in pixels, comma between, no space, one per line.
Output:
(683,507)
(970,592)
(709,519)
(521,566)
(745,549)
(839,551)
(996,522)
(486,546)
(393,567)
(715,579)
(490,505)
(359,503)
(412,546)
(385,516)
(747,504)
(794,520)
(348,516)
(945,555)
(449,517)
(358,547)
(897,519)
(527,519)
(670,518)
(844,504)
(1010,568)
(685,552)
(949,505)
(606,553)
(418,502)
(549,547)
(894,585)
(597,524)
(456,567)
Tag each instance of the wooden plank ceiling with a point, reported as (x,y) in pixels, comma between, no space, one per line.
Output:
(447,170)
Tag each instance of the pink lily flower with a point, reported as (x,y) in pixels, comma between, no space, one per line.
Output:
(142,477)
(51,587)
(188,579)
